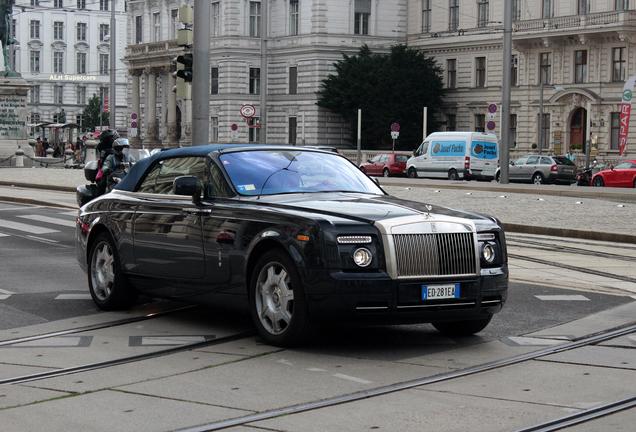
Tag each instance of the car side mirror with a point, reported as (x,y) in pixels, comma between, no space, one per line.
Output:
(188,186)
(612,167)
(512,162)
(369,161)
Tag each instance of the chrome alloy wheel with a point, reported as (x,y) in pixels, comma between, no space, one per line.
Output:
(274,298)
(103,271)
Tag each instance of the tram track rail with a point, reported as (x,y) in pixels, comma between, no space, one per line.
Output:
(569,240)
(529,244)
(590,339)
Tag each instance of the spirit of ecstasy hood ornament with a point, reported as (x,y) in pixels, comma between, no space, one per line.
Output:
(428,210)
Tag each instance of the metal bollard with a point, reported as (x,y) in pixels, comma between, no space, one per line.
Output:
(49,152)
(19,158)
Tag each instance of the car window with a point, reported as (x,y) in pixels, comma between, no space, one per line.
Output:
(623,165)
(217,186)
(532,160)
(546,161)
(384,158)
(376,159)
(521,161)
(562,160)
(424,148)
(401,158)
(162,175)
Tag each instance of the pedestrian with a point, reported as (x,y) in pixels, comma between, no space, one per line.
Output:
(45,146)
(38,147)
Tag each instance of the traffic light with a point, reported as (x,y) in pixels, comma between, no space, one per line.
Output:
(184,67)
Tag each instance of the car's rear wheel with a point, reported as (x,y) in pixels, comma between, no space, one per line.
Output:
(412,173)
(598,181)
(462,328)
(452,175)
(386,172)
(277,300)
(537,178)
(634,184)
(106,282)
(363,170)
(498,177)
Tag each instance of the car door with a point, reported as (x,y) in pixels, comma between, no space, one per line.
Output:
(515,170)
(167,235)
(529,168)
(622,175)
(422,161)
(373,165)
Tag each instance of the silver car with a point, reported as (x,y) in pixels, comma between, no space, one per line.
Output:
(539,169)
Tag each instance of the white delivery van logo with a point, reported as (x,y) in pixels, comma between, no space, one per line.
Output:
(484,149)
(449,148)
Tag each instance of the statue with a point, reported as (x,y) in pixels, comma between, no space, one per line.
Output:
(6,21)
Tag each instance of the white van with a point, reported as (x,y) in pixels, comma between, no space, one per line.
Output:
(455,155)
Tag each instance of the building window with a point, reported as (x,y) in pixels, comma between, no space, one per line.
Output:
(58,30)
(34,25)
(174,23)
(255,81)
(293,17)
(546,131)
(103,5)
(292,134)
(453,15)
(58,94)
(58,62)
(614,129)
(255,132)
(35,118)
(451,122)
(58,4)
(35,2)
(215,11)
(35,94)
(621,5)
(583,7)
(480,122)
(516,10)
(513,131)
(35,61)
(514,71)
(81,31)
(104,30)
(546,9)
(426,16)
(81,4)
(255,19)
(482,13)
(580,66)
(214,80)
(14,23)
(618,64)
(81,63)
(545,68)
(362,14)
(214,129)
(480,71)
(103,64)
(293,80)
(451,73)
(156,26)
(81,95)
(139,31)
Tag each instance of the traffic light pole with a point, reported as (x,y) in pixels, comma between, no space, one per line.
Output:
(113,97)
(201,73)
(504,146)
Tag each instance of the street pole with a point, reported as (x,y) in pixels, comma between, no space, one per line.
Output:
(201,73)
(359,137)
(588,133)
(113,41)
(540,112)
(504,147)
(263,89)
(424,123)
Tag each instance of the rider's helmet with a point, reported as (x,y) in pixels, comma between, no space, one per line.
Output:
(119,145)
(106,139)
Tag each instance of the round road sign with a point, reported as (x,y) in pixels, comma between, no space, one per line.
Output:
(133,116)
(234,126)
(395,127)
(492,108)
(490,125)
(248,111)
(133,124)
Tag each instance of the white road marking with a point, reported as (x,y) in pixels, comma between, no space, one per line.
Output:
(32,229)
(42,239)
(285,362)
(73,297)
(562,297)
(530,341)
(316,370)
(5,292)
(4,235)
(69,213)
(60,341)
(4,296)
(171,340)
(51,220)
(352,378)
(19,208)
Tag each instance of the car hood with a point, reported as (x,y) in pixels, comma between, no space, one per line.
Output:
(367,208)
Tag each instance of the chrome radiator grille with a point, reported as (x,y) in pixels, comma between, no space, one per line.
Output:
(434,254)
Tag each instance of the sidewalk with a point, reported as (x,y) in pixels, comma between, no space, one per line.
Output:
(569,211)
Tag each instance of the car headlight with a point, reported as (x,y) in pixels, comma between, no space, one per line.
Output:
(362,257)
(488,253)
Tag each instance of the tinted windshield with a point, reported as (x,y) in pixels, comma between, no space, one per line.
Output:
(269,172)
(562,160)
(401,158)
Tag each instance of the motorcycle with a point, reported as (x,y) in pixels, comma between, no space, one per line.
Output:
(88,192)
(584,176)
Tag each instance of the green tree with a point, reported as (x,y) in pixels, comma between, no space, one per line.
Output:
(389,88)
(91,114)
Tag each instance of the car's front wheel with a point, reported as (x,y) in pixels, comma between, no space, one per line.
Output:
(386,172)
(462,328)
(106,282)
(537,178)
(453,175)
(277,300)
(598,181)
(412,173)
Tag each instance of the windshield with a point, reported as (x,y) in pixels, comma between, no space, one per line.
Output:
(269,172)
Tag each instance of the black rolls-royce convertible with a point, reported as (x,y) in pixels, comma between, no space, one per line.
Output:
(301,234)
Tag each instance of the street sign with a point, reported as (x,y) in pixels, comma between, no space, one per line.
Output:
(105,104)
(395,127)
(248,111)
(491,125)
(395,135)
(492,108)
(234,127)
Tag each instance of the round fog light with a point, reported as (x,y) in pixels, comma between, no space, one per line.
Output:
(488,253)
(362,257)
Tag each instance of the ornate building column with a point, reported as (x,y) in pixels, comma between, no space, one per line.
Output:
(152,136)
(171,125)
(135,142)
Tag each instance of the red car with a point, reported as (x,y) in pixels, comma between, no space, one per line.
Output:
(622,175)
(385,164)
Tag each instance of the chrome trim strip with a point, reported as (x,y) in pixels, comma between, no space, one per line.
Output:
(437,305)
(491,302)
(144,195)
(498,271)
(371,307)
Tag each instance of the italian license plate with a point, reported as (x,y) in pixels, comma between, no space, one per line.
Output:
(434,292)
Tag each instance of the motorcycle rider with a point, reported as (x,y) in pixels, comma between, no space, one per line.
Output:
(116,164)
(105,149)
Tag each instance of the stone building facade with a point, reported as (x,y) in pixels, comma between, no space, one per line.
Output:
(63,53)
(304,39)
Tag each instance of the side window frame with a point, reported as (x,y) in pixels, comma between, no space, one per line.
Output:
(214,165)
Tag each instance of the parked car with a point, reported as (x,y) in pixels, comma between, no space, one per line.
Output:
(539,169)
(622,175)
(385,164)
(455,155)
(301,235)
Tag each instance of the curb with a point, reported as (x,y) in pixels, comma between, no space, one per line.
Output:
(36,202)
(570,233)
(38,186)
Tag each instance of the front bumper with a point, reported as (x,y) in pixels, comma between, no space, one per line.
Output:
(378,297)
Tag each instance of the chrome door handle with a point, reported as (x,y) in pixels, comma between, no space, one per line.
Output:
(197,211)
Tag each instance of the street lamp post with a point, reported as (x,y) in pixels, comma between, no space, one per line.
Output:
(540,112)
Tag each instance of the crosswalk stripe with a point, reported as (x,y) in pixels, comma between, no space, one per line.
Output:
(562,297)
(4,296)
(69,213)
(73,297)
(4,235)
(32,229)
(48,219)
